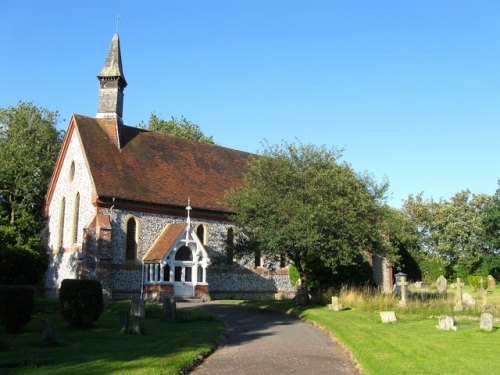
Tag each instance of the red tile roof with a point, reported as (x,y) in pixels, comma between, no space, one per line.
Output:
(157,168)
(164,242)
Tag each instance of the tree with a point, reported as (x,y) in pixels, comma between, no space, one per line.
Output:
(297,200)
(29,145)
(176,127)
(491,221)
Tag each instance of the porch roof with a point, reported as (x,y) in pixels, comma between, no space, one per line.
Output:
(164,242)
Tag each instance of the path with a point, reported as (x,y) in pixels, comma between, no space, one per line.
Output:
(267,342)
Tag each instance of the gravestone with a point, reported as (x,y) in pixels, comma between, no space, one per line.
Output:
(459,305)
(491,282)
(446,323)
(388,316)
(468,299)
(483,293)
(136,325)
(138,308)
(124,315)
(48,336)
(486,322)
(335,306)
(169,309)
(441,285)
(403,284)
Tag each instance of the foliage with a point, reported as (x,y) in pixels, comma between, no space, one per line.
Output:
(298,200)
(293,274)
(177,127)
(491,222)
(449,234)
(23,261)
(16,306)
(29,145)
(80,301)
(474,281)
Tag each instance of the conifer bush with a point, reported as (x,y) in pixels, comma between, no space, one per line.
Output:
(16,306)
(80,301)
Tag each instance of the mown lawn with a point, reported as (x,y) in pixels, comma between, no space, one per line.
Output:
(164,348)
(411,346)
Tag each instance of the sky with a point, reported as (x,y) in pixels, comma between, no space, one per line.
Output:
(410,89)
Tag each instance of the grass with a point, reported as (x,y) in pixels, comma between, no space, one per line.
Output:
(164,348)
(412,345)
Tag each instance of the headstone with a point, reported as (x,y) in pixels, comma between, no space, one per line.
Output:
(468,299)
(491,282)
(277,296)
(136,325)
(446,323)
(138,308)
(335,306)
(418,284)
(403,284)
(123,315)
(169,308)
(48,336)
(441,285)
(459,305)
(486,322)
(388,316)
(483,293)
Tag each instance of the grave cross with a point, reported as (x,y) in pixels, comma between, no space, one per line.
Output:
(459,306)
(403,284)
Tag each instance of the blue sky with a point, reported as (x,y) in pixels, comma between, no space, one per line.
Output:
(410,88)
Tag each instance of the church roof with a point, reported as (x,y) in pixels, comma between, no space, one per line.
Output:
(164,242)
(156,168)
(113,65)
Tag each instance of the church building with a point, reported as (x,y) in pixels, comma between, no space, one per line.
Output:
(144,212)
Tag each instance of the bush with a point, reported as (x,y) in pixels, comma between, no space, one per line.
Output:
(475,281)
(16,306)
(293,274)
(80,301)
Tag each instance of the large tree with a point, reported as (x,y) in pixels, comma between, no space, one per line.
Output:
(177,127)
(300,202)
(29,144)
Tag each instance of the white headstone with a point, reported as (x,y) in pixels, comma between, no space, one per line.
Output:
(486,322)
(468,299)
(335,306)
(388,316)
(446,323)
(441,285)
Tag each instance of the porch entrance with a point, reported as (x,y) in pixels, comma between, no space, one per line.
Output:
(183,272)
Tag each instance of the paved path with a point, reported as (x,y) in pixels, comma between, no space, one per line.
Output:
(267,342)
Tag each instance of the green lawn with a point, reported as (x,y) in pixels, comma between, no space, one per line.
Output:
(164,348)
(412,345)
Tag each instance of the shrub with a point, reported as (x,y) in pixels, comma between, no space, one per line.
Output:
(475,281)
(16,306)
(293,274)
(80,301)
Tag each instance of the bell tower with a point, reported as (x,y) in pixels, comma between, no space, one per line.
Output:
(111,84)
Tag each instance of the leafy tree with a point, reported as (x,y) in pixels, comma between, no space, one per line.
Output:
(29,144)
(177,127)
(450,234)
(298,200)
(491,221)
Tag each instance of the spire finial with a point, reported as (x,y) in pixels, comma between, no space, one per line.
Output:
(117,23)
(188,209)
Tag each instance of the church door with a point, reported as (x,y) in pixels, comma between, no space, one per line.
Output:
(183,272)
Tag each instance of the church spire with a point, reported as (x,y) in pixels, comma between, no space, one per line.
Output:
(112,82)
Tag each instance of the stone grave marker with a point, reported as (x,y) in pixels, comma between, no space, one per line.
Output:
(446,323)
(136,325)
(388,316)
(483,293)
(486,322)
(123,316)
(468,299)
(169,309)
(441,285)
(138,308)
(48,336)
(459,305)
(403,284)
(491,282)
(335,306)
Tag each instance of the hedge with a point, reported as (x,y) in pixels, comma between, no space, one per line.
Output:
(16,306)
(80,301)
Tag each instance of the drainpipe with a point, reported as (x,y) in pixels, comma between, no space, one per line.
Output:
(142,279)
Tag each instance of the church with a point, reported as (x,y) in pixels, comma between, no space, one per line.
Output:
(144,212)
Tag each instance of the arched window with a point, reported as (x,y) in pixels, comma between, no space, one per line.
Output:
(60,235)
(76,214)
(200,232)
(258,258)
(184,253)
(131,246)
(230,246)
(71,175)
